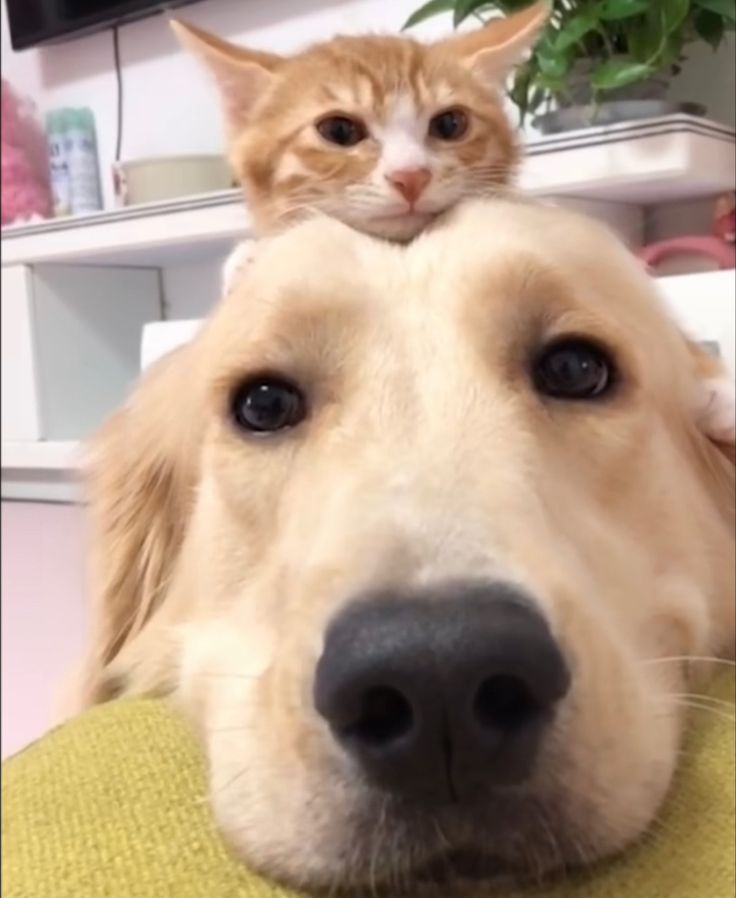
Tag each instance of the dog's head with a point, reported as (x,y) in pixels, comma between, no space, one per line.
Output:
(423,539)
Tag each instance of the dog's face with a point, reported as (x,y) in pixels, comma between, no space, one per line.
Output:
(451,536)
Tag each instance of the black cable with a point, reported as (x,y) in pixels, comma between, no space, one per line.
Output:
(119,79)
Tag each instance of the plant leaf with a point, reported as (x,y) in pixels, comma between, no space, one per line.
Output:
(519,91)
(671,53)
(463,8)
(673,13)
(546,43)
(509,6)
(614,10)
(553,64)
(644,40)
(432,8)
(724,8)
(574,30)
(555,86)
(709,26)
(539,95)
(618,73)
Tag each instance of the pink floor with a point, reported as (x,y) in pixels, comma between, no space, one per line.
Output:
(43,613)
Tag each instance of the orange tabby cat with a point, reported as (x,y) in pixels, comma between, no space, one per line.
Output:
(382,132)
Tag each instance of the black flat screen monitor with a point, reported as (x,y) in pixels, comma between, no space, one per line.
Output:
(34,22)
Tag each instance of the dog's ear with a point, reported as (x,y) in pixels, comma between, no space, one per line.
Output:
(140,476)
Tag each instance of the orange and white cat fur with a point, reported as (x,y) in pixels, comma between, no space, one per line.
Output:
(382,132)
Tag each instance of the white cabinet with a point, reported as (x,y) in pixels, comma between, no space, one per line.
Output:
(70,346)
(161,337)
(20,419)
(705,307)
(88,323)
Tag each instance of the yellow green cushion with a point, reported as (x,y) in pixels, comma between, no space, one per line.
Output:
(112,805)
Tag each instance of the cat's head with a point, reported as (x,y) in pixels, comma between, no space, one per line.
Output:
(381,132)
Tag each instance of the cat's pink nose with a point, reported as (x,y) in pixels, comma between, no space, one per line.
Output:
(410,182)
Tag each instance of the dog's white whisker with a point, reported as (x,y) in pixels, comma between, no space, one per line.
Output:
(701,697)
(707,708)
(229,783)
(705,659)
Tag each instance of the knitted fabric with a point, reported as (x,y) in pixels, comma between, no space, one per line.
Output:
(112,805)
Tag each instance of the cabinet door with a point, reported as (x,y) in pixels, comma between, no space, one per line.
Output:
(162,337)
(705,307)
(20,415)
(88,322)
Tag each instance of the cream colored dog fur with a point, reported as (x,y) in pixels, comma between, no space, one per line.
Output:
(427,454)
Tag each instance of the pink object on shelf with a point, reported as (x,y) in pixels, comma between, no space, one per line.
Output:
(719,247)
(25,179)
(721,253)
(724,222)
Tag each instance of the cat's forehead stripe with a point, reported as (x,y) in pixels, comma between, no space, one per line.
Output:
(368,72)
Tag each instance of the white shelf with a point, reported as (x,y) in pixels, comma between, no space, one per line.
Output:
(644,163)
(153,234)
(678,157)
(40,456)
(41,471)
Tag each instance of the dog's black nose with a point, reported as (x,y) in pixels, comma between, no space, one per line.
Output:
(441,694)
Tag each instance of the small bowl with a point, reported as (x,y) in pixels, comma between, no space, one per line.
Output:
(170,177)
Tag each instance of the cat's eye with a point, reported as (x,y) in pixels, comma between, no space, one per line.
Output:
(265,405)
(452,124)
(573,368)
(342,130)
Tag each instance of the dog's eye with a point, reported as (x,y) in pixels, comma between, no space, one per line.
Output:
(573,368)
(267,404)
(449,125)
(342,130)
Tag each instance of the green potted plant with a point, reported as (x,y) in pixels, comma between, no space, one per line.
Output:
(601,61)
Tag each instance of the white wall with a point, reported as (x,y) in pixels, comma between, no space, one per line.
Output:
(170,106)
(710,78)
(44,615)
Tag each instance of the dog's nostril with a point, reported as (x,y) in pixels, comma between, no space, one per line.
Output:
(504,702)
(440,694)
(385,716)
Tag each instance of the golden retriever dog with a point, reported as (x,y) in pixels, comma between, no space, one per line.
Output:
(426,543)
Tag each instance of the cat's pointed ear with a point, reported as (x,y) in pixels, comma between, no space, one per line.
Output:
(242,75)
(492,51)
